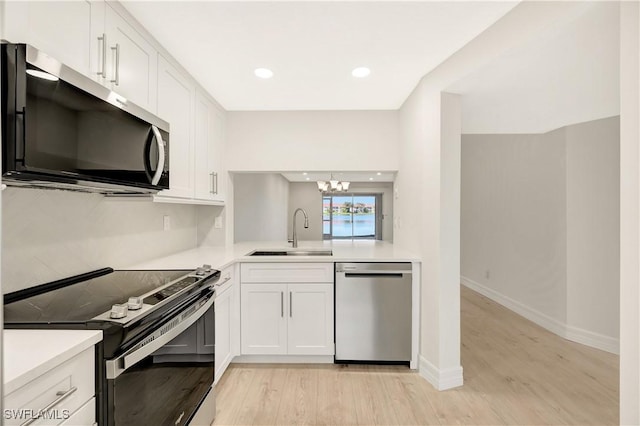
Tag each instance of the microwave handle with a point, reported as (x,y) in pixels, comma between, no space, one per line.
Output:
(161,153)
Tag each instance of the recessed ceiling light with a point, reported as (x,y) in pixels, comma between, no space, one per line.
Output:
(42,74)
(263,72)
(361,72)
(304,173)
(370,178)
(379,174)
(308,178)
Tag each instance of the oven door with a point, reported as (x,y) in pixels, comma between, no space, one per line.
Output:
(148,386)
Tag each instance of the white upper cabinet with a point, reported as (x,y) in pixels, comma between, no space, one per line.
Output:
(131,62)
(175,105)
(210,178)
(102,41)
(93,39)
(66,30)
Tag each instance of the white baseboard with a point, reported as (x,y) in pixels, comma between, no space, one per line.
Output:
(440,379)
(575,334)
(283,359)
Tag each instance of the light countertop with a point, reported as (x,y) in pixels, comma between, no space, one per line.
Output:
(221,257)
(28,354)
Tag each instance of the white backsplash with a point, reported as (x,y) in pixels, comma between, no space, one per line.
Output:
(48,235)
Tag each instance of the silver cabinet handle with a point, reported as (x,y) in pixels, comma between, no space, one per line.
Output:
(117,64)
(227,278)
(62,395)
(282,304)
(290,305)
(103,39)
(214,183)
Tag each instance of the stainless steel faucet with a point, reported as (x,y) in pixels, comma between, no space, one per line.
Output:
(306,225)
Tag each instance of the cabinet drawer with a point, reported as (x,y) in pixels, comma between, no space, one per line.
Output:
(77,372)
(226,280)
(286,273)
(86,415)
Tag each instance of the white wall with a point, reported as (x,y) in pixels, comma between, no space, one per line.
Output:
(428,169)
(548,82)
(312,141)
(208,235)
(514,218)
(261,202)
(307,196)
(49,234)
(593,227)
(629,213)
(540,227)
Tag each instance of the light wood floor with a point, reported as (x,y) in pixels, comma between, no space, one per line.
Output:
(514,373)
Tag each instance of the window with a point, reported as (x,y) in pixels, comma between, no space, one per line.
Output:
(352,216)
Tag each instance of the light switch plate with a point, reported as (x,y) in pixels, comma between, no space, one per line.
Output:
(166,222)
(217,223)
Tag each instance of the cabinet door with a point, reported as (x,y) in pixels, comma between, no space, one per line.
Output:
(204,173)
(216,153)
(207,333)
(209,176)
(65,30)
(175,105)
(131,62)
(185,343)
(310,322)
(263,322)
(223,332)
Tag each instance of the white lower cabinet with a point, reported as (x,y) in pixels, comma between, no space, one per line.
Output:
(84,416)
(310,321)
(64,390)
(263,323)
(223,332)
(286,318)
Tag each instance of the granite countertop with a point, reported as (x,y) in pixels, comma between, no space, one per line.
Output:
(221,257)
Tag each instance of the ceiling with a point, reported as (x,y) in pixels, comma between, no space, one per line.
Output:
(312,47)
(342,176)
(566,76)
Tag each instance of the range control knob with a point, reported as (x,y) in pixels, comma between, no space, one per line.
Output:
(207,268)
(200,272)
(118,311)
(134,303)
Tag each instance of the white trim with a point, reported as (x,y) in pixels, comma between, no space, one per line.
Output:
(416,275)
(283,359)
(440,379)
(569,332)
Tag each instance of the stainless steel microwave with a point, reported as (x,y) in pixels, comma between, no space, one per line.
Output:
(60,129)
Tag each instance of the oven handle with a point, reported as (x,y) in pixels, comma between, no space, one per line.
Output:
(119,365)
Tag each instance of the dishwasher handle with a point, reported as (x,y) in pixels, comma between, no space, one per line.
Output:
(383,274)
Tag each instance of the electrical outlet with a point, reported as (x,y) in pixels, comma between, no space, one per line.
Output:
(217,222)
(487,274)
(166,222)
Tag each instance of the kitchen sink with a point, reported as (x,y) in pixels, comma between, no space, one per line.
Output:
(291,252)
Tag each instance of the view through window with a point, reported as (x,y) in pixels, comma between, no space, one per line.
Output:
(351,216)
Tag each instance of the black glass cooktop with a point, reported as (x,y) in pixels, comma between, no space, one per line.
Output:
(85,300)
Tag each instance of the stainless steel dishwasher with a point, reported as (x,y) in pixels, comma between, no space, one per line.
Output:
(373,312)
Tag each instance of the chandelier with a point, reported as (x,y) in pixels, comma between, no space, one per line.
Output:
(333,185)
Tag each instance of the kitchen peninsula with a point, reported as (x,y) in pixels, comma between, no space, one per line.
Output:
(241,272)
